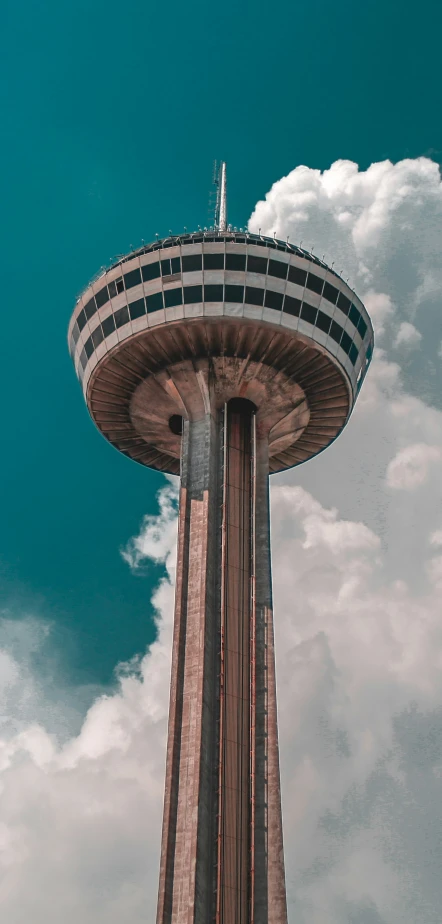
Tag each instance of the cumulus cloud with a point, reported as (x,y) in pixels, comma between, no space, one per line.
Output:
(357,567)
(407,335)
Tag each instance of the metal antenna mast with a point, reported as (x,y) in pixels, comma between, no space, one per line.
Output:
(221,198)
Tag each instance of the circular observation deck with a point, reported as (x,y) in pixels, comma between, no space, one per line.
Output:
(189,322)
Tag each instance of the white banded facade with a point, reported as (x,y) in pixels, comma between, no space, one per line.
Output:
(219,279)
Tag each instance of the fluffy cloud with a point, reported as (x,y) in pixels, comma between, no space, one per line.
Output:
(357,566)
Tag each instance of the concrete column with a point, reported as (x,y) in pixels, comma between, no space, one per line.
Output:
(221,860)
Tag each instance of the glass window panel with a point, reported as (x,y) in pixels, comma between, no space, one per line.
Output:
(236,261)
(154,302)
(257,264)
(354,315)
(121,316)
(336,331)
(108,325)
(277,268)
(81,320)
(112,289)
(297,275)
(346,342)
(323,322)
(213,261)
(213,293)
(75,332)
(165,268)
(173,297)
(137,309)
(292,305)
(89,347)
(344,303)
(353,354)
(150,271)
(273,300)
(234,294)
(254,296)
(90,308)
(192,294)
(308,313)
(132,279)
(330,293)
(120,285)
(362,327)
(83,358)
(192,263)
(97,336)
(102,297)
(314,283)
(369,352)
(176,265)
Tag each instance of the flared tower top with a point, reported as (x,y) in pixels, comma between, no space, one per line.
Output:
(183,324)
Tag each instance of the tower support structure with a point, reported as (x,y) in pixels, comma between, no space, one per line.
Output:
(222,856)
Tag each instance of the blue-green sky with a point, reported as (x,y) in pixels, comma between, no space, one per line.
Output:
(111,118)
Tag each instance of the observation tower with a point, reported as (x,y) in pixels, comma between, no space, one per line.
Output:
(221,356)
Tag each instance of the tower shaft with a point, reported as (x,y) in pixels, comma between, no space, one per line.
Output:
(222,858)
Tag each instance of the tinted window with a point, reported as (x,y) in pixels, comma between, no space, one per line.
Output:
(353,354)
(354,315)
(112,289)
(165,268)
(336,331)
(314,283)
(81,320)
(362,327)
(173,297)
(176,265)
(297,275)
(346,342)
(273,300)
(236,261)
(257,265)
(89,347)
(75,332)
(344,303)
(369,352)
(90,308)
(323,322)
(308,313)
(154,302)
(108,325)
(213,293)
(330,293)
(137,309)
(132,279)
(102,297)
(277,268)
(254,296)
(119,284)
(234,294)
(192,262)
(83,359)
(192,294)
(292,305)
(213,261)
(97,336)
(121,316)
(150,271)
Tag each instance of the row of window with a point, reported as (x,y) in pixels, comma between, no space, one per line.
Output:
(217,293)
(170,268)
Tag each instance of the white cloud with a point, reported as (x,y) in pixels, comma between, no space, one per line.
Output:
(357,576)
(407,335)
(410,467)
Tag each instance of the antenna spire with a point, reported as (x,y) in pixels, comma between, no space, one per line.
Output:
(221,198)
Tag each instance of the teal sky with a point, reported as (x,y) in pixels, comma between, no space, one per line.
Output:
(111,118)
